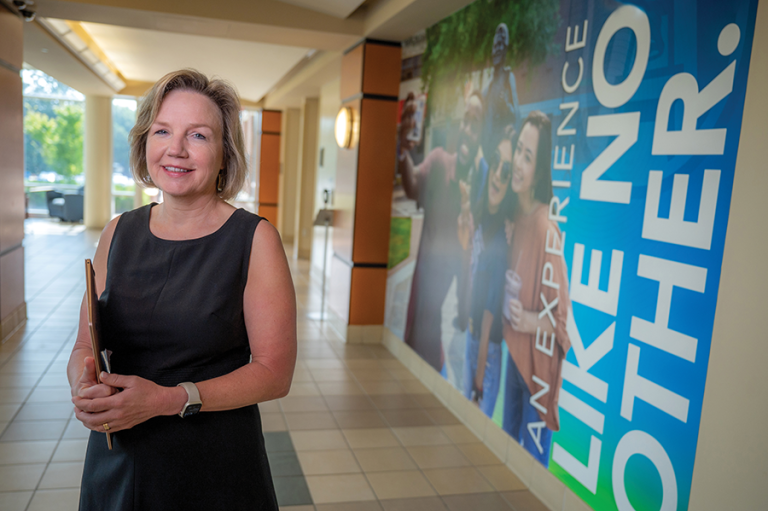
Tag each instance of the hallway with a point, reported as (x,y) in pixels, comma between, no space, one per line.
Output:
(357,432)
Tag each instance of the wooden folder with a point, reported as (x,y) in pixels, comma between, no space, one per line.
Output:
(100,357)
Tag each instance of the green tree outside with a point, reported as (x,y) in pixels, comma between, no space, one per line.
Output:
(58,138)
(123,119)
(462,43)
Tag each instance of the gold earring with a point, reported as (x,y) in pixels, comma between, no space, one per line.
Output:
(220,182)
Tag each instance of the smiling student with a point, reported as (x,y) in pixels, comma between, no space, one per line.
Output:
(535,327)
(484,228)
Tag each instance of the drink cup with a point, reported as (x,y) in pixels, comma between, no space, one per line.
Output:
(511,291)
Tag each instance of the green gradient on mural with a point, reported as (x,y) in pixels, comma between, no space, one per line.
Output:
(399,241)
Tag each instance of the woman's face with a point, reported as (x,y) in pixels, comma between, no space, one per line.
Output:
(499,176)
(184,145)
(524,163)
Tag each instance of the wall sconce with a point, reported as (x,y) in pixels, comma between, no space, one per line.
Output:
(346,128)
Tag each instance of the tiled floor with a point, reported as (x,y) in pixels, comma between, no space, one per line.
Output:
(356,433)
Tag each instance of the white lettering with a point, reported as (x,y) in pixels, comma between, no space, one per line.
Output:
(635,386)
(568,87)
(585,474)
(538,426)
(600,347)
(587,382)
(561,164)
(562,131)
(590,295)
(675,229)
(551,249)
(633,18)
(541,344)
(669,274)
(690,140)
(640,442)
(625,128)
(548,309)
(548,276)
(556,208)
(581,411)
(534,398)
(575,44)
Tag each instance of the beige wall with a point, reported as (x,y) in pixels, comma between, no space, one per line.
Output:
(289,159)
(305,207)
(97,149)
(330,102)
(732,454)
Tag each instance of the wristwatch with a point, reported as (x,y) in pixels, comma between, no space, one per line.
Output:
(193,403)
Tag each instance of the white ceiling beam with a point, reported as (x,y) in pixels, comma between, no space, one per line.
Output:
(267,21)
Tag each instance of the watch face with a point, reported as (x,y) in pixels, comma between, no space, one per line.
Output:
(192,409)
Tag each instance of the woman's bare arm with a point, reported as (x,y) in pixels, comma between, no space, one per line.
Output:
(269,304)
(82,348)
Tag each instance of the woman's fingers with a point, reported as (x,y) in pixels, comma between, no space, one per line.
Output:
(89,372)
(96,391)
(515,313)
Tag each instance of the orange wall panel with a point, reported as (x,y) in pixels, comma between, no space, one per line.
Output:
(269,169)
(382,67)
(270,121)
(375,175)
(268,212)
(367,296)
(352,72)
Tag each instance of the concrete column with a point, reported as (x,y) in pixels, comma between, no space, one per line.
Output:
(289,179)
(305,192)
(97,150)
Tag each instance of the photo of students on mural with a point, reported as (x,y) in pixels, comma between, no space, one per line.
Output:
(434,185)
(482,193)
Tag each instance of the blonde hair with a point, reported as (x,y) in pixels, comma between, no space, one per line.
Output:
(223,96)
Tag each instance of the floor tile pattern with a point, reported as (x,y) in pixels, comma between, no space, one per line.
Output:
(357,432)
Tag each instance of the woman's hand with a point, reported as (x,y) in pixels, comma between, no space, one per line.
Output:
(466,223)
(520,319)
(87,386)
(509,230)
(139,401)
(479,386)
(407,123)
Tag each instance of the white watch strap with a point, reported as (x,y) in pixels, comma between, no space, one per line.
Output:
(193,395)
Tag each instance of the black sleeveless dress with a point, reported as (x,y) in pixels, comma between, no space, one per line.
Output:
(172,311)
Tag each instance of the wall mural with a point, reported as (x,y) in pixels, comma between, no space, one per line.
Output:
(564,181)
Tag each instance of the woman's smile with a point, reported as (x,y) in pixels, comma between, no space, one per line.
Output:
(176,170)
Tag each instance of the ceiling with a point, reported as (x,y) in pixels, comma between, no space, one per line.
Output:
(337,8)
(275,52)
(147,55)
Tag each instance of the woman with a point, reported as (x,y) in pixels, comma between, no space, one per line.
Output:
(482,233)
(535,329)
(197,307)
